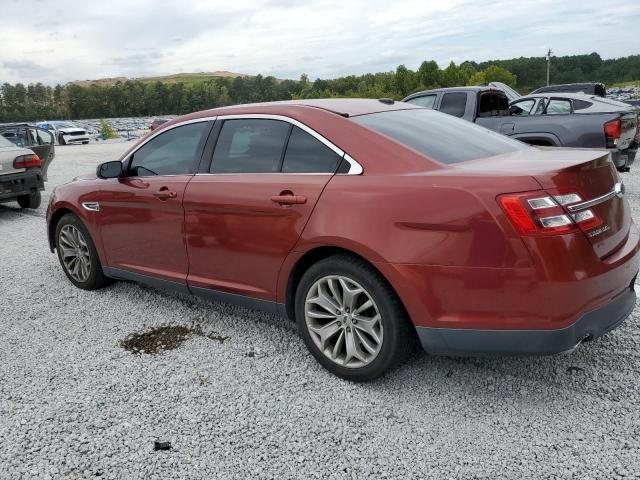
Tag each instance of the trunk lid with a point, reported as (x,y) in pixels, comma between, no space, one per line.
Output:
(594,177)
(588,172)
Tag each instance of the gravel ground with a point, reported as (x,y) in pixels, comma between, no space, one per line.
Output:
(242,398)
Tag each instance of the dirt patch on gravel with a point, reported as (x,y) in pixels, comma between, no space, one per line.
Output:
(164,338)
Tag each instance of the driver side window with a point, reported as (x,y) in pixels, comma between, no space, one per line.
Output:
(173,152)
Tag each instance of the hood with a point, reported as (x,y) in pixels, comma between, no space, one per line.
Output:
(71,130)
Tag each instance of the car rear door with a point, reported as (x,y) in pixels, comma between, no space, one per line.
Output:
(41,142)
(141,217)
(246,210)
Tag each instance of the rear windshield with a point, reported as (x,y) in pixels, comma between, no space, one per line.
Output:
(5,143)
(438,136)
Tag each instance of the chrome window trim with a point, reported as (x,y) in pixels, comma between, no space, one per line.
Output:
(354,169)
(618,191)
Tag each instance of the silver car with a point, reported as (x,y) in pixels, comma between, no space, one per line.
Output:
(20,175)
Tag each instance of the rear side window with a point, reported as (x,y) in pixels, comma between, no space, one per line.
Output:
(442,138)
(250,146)
(306,154)
(581,104)
(558,106)
(171,153)
(493,104)
(426,101)
(454,103)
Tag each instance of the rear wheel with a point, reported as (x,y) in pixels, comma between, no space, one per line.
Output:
(31,200)
(77,254)
(350,319)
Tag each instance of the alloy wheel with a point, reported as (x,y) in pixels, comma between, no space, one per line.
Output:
(344,321)
(74,253)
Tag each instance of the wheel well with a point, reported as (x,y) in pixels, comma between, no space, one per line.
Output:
(55,218)
(309,259)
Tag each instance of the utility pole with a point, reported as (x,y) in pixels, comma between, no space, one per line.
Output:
(548,64)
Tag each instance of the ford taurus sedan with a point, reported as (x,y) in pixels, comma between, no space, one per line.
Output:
(369,223)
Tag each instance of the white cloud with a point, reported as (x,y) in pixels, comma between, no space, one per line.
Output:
(285,38)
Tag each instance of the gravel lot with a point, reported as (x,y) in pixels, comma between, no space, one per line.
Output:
(75,404)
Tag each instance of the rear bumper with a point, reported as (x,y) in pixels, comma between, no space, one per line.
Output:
(17,184)
(470,342)
(625,158)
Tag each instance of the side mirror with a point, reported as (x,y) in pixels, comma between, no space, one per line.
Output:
(111,169)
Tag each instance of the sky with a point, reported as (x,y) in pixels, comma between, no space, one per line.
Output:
(56,41)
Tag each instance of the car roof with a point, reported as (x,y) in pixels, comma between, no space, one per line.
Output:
(471,88)
(346,107)
(16,124)
(577,96)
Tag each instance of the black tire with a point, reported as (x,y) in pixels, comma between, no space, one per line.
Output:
(398,338)
(31,200)
(61,140)
(85,143)
(96,278)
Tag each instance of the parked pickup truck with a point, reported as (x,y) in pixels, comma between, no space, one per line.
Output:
(547,119)
(20,175)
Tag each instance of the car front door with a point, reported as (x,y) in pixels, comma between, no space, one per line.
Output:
(245,213)
(141,215)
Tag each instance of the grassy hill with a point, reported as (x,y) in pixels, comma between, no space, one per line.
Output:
(175,78)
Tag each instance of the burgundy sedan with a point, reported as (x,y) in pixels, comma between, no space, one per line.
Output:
(370,223)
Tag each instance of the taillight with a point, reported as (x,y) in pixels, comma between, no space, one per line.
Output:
(535,214)
(27,161)
(612,132)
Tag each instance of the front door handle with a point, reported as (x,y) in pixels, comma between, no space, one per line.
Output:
(164,194)
(289,199)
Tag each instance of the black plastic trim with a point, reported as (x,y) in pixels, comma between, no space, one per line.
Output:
(207,293)
(470,342)
(29,180)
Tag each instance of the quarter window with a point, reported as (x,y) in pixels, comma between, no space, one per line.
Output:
(173,152)
(306,154)
(454,103)
(250,146)
(426,101)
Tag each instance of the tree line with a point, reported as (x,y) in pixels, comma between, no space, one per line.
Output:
(141,98)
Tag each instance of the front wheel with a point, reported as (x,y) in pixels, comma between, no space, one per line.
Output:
(31,200)
(78,255)
(351,320)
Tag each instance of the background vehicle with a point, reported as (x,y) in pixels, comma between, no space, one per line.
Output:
(65,132)
(567,120)
(585,88)
(368,222)
(157,122)
(37,139)
(20,175)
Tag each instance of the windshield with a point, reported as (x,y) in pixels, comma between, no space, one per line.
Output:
(439,136)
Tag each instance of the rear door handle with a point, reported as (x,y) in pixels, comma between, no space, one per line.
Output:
(289,199)
(164,194)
